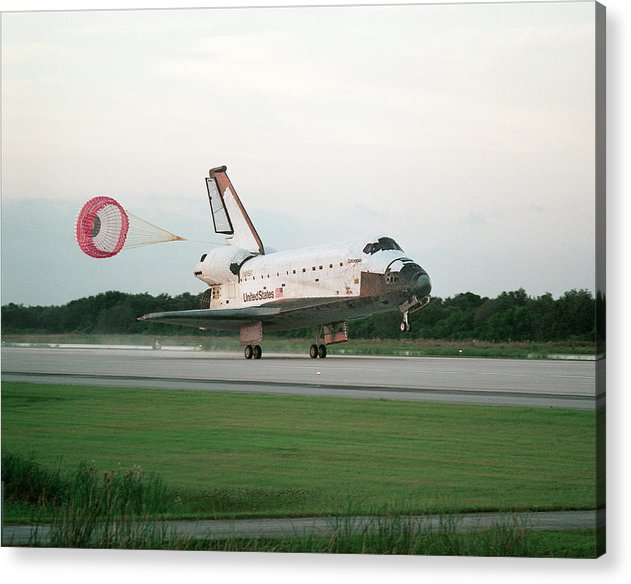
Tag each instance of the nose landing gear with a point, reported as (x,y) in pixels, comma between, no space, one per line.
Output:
(411,305)
(405,325)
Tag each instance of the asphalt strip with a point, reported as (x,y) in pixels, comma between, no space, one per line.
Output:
(28,535)
(453,395)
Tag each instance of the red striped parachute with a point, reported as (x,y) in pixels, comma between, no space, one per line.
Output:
(104,228)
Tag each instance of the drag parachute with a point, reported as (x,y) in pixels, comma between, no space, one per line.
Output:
(104,228)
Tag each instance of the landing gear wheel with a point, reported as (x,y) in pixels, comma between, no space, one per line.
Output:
(248,351)
(257,351)
(403,327)
(313,351)
(322,351)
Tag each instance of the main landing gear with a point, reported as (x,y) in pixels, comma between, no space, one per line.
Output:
(317,351)
(253,351)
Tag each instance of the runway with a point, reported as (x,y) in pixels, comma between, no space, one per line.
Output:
(561,384)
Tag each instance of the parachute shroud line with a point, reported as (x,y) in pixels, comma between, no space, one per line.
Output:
(142,232)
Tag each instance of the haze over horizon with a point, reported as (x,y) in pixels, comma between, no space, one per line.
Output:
(465,132)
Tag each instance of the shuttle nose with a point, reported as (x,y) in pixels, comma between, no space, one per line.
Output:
(417,278)
(423,285)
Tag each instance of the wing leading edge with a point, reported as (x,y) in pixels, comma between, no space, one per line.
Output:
(224,319)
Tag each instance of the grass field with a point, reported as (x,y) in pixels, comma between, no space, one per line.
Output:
(408,347)
(256,455)
(493,542)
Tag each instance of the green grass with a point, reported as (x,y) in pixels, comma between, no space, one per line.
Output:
(500,541)
(224,454)
(505,539)
(87,507)
(274,344)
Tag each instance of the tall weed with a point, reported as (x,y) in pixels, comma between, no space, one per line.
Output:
(87,507)
(29,482)
(107,509)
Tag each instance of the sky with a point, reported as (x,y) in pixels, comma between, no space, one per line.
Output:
(465,132)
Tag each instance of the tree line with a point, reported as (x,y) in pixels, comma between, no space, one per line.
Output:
(511,316)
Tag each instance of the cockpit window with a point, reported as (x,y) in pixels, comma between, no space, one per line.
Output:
(382,244)
(235,267)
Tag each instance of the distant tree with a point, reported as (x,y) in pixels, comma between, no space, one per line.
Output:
(542,317)
(511,316)
(119,318)
(577,315)
(601,321)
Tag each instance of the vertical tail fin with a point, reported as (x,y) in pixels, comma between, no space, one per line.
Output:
(229,215)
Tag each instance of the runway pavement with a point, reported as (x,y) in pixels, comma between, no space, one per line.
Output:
(536,383)
(21,535)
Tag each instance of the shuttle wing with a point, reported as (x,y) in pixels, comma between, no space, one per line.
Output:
(220,319)
(229,215)
(280,315)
